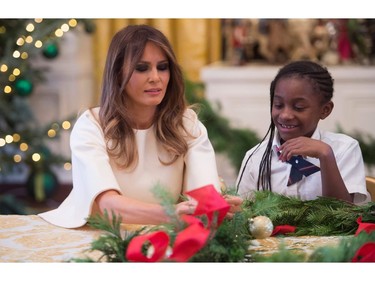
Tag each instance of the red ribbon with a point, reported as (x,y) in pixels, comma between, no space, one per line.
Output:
(366,253)
(209,202)
(159,240)
(188,241)
(364,226)
(283,229)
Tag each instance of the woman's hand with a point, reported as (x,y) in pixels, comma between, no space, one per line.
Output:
(186,207)
(235,203)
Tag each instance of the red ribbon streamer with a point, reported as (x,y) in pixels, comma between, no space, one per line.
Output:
(188,241)
(283,229)
(364,226)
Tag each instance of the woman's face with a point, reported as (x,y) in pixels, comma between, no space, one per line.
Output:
(297,108)
(148,83)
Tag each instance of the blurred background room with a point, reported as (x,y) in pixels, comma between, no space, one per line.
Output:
(50,71)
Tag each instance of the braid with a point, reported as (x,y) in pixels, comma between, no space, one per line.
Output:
(321,81)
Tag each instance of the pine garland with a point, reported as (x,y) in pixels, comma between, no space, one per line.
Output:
(230,241)
(320,217)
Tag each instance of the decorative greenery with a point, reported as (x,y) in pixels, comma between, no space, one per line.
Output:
(114,243)
(320,217)
(229,244)
(343,252)
(22,42)
(230,241)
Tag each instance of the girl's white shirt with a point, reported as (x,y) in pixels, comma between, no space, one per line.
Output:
(349,161)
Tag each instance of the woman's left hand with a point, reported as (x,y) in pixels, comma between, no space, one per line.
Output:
(235,203)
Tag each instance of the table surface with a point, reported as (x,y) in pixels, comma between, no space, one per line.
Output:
(28,238)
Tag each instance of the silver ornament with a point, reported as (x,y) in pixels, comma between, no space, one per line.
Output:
(260,227)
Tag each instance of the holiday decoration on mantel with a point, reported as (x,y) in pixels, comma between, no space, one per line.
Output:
(207,236)
(23,141)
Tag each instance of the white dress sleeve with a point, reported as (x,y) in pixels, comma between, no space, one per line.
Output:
(92,174)
(200,160)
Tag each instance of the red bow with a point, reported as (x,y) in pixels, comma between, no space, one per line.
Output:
(159,241)
(366,253)
(188,241)
(209,202)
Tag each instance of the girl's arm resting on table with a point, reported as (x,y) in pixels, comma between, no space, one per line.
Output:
(133,211)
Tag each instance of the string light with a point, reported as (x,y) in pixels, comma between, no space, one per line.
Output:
(20,41)
(36,157)
(3,68)
(17,158)
(24,146)
(16,137)
(67,166)
(65,27)
(7,89)
(38,44)
(30,27)
(51,133)
(29,39)
(66,125)
(2,142)
(72,23)
(16,72)
(8,139)
(16,54)
(59,33)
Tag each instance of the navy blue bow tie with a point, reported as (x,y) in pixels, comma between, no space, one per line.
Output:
(300,168)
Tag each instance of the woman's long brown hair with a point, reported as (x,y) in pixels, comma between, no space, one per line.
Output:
(125,51)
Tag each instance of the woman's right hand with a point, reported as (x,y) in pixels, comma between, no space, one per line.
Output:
(186,207)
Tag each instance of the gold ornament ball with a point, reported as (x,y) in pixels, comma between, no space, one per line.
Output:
(260,227)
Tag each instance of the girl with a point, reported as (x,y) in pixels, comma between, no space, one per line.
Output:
(301,96)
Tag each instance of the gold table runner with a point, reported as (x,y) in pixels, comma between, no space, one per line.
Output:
(28,238)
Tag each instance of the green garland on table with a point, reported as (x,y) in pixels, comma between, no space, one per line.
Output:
(230,241)
(320,217)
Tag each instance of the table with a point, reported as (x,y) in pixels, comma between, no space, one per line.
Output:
(28,238)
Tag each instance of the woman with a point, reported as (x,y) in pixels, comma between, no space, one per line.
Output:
(142,135)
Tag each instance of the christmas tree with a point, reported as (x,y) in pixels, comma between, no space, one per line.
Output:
(24,143)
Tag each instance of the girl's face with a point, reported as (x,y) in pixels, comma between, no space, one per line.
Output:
(297,108)
(148,83)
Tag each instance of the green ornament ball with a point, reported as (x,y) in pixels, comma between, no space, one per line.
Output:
(24,87)
(51,51)
(41,185)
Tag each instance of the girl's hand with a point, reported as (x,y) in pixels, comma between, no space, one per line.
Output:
(305,147)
